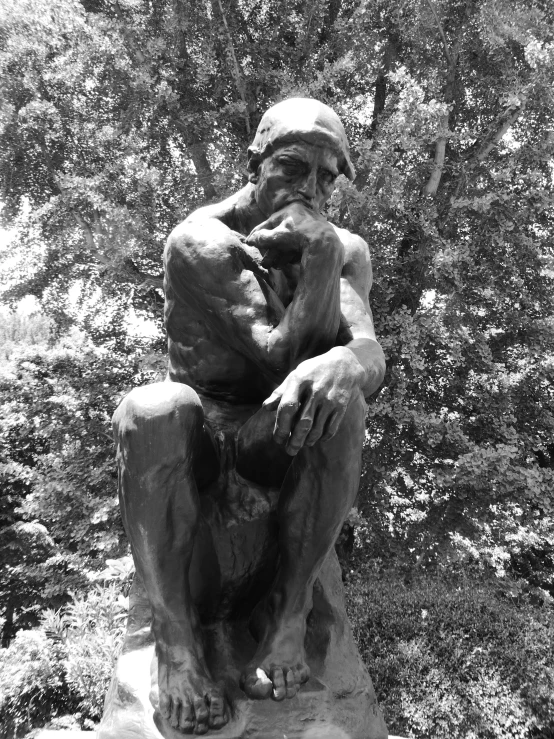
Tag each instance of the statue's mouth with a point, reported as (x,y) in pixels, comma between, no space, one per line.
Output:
(299,199)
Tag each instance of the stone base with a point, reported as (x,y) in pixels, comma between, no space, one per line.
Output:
(338,702)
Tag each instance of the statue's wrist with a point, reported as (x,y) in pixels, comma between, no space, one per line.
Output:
(350,364)
(324,241)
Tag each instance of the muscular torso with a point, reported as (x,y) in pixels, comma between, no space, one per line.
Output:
(201,358)
(211,361)
(198,358)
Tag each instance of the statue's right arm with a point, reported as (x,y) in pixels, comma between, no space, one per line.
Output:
(206,267)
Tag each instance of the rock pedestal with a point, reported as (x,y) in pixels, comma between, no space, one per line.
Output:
(338,702)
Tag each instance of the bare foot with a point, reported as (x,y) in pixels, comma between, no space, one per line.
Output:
(279,666)
(188,697)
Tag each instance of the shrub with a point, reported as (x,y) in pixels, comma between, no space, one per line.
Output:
(32,682)
(96,626)
(64,666)
(455,659)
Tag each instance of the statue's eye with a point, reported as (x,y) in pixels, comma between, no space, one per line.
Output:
(327,177)
(290,166)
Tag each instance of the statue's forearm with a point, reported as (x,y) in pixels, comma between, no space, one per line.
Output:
(368,360)
(310,323)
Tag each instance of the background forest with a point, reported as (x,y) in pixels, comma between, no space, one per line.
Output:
(117,119)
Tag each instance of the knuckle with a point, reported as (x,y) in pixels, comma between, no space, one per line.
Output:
(288,406)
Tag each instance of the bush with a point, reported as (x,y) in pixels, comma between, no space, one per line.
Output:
(32,683)
(94,637)
(64,666)
(455,659)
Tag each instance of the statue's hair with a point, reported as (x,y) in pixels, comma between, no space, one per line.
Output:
(300,119)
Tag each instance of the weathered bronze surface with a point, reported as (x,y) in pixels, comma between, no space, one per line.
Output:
(236,474)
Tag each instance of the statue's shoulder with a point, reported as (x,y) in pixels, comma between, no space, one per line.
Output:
(357,258)
(201,228)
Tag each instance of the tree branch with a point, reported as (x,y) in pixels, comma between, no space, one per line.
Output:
(432,185)
(506,120)
(198,154)
(235,71)
(442,33)
(389,57)
(89,232)
(451,55)
(200,160)
(128,35)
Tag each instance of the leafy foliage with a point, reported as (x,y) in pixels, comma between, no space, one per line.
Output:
(32,679)
(118,118)
(63,667)
(60,512)
(438,655)
(121,117)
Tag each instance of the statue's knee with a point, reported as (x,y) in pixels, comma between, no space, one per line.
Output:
(161,413)
(356,412)
(351,433)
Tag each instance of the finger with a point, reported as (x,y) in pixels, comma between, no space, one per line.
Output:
(250,257)
(264,238)
(274,220)
(239,236)
(302,427)
(321,420)
(277,259)
(271,259)
(287,410)
(333,424)
(272,403)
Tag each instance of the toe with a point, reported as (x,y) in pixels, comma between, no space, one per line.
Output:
(217,712)
(164,705)
(201,714)
(186,720)
(257,684)
(154,697)
(291,684)
(175,713)
(303,674)
(279,686)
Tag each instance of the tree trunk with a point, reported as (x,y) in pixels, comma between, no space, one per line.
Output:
(7,628)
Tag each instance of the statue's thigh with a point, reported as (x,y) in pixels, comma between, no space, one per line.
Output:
(259,458)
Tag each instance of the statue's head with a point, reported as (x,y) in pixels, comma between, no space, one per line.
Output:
(300,147)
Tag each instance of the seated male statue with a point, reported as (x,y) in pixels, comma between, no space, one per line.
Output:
(272,353)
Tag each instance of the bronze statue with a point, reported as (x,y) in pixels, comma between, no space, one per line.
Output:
(272,353)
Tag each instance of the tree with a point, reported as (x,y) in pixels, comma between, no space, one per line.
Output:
(120,117)
(59,517)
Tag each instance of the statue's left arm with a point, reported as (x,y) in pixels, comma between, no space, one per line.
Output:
(312,401)
(357,332)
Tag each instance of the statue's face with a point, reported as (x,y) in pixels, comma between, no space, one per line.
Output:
(296,172)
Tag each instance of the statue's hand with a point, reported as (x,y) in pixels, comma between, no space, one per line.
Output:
(284,236)
(313,399)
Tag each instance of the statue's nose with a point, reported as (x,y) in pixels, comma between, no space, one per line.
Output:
(309,187)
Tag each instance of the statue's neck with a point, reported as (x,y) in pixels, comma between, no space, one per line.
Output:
(240,212)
